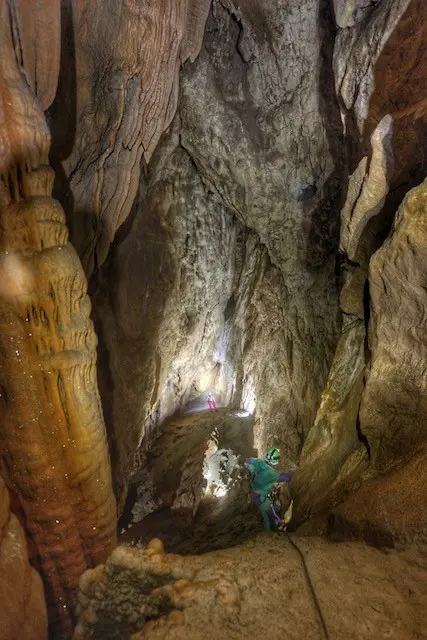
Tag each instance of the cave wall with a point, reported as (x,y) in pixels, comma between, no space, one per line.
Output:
(211,229)
(380,77)
(228,255)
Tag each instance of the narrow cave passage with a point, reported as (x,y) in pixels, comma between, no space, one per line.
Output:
(193,488)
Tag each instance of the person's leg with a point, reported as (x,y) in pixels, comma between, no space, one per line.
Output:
(275,514)
(264,507)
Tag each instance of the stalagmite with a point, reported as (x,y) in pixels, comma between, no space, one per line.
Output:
(52,436)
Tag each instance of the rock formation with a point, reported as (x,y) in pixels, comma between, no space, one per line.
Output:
(143,594)
(52,437)
(231,175)
(23,613)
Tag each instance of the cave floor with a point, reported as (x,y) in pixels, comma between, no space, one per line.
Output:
(260,587)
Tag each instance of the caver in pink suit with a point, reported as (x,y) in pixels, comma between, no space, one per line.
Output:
(211,402)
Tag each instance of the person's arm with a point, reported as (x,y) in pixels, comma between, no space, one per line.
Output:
(286,476)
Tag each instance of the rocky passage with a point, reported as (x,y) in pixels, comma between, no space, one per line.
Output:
(193,488)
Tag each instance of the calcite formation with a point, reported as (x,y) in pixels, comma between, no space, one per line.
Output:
(23,613)
(52,436)
(124,59)
(147,594)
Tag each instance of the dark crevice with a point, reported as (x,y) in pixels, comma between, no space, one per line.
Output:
(62,117)
(363,439)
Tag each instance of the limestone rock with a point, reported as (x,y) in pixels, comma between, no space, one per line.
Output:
(23,609)
(394,406)
(361,592)
(125,65)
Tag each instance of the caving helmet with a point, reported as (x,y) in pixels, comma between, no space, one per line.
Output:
(273,456)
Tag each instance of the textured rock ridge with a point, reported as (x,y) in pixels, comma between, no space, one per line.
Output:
(362,592)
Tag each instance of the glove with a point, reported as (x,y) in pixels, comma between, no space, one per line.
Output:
(285,477)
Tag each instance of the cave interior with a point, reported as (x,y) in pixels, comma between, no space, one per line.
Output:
(213,243)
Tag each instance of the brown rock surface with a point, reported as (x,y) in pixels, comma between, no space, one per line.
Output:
(52,436)
(23,613)
(362,592)
(394,406)
(388,510)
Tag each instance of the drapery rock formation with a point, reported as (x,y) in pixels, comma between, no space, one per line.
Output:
(23,609)
(118,92)
(52,436)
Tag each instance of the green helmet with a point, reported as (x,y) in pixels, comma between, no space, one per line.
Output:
(273,456)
